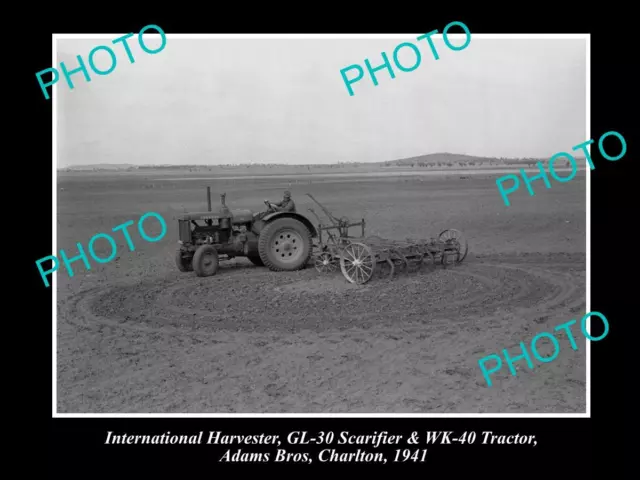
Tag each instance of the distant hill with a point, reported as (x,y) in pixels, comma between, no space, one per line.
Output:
(448,158)
(460,160)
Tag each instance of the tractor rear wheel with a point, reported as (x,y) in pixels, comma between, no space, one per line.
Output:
(183,262)
(205,261)
(285,244)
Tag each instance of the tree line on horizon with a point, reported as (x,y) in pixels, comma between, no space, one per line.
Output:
(426,161)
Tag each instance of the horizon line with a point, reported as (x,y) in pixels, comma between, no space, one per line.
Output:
(381,162)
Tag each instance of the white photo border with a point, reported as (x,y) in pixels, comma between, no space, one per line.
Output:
(54,61)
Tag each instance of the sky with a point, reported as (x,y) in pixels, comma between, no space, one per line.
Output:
(226,101)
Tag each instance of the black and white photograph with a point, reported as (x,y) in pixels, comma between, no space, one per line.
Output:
(299,224)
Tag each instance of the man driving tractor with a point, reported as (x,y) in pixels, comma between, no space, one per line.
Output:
(286,205)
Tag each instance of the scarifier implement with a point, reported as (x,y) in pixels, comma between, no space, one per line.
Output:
(281,241)
(360,257)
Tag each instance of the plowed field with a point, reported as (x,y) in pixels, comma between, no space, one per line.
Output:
(138,336)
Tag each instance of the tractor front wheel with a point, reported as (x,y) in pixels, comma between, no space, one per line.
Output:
(285,244)
(205,261)
(183,262)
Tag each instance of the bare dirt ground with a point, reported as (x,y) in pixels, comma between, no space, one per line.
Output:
(137,336)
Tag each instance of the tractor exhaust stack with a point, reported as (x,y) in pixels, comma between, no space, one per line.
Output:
(209,199)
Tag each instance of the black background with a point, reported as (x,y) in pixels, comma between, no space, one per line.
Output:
(571,447)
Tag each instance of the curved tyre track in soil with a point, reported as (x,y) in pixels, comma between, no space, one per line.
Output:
(255,300)
(251,340)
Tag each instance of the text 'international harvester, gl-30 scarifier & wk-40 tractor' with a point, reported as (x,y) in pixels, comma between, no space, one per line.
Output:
(281,241)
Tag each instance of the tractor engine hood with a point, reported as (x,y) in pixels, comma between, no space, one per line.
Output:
(238,216)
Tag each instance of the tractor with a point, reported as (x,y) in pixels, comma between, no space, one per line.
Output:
(281,241)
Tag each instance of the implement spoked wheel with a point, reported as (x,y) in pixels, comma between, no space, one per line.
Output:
(456,246)
(325,263)
(357,263)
